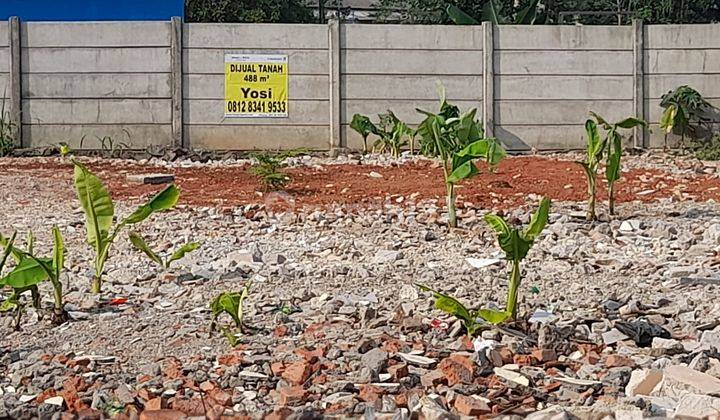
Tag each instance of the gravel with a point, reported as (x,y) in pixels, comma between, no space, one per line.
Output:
(334,310)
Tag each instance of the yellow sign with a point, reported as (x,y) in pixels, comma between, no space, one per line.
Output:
(256,85)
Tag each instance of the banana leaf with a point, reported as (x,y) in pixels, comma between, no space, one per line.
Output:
(139,243)
(96,203)
(182,251)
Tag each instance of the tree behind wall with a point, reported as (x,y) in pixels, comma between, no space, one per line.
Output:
(651,11)
(251,11)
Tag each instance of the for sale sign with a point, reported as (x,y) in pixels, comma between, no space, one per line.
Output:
(256,85)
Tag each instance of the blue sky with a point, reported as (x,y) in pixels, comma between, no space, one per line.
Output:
(49,10)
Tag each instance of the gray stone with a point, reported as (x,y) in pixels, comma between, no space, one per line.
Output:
(375,359)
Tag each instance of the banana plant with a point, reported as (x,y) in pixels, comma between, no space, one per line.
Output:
(100,210)
(614,143)
(140,244)
(25,277)
(491,13)
(515,243)
(364,127)
(458,142)
(686,113)
(32,270)
(230,303)
(452,306)
(595,150)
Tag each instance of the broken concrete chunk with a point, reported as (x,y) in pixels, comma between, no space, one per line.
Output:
(679,380)
(643,382)
(152,179)
(697,406)
(511,376)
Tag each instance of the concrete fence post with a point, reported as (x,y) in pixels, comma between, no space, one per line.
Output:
(15,88)
(640,133)
(488,79)
(176,77)
(334,85)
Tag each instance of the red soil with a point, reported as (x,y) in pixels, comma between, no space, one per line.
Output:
(352,185)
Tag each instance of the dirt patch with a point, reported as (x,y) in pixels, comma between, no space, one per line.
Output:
(352,184)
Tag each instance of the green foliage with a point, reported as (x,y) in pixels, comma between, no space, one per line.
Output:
(269,168)
(491,12)
(458,140)
(251,11)
(515,243)
(30,271)
(613,143)
(363,126)
(230,303)
(706,149)
(452,306)
(547,12)
(393,134)
(99,211)
(686,114)
(8,131)
(139,243)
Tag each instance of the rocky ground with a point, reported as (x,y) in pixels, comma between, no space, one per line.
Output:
(618,318)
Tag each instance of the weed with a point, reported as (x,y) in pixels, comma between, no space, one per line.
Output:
(269,168)
(364,127)
(8,131)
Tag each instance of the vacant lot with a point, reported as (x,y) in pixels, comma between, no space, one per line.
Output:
(338,326)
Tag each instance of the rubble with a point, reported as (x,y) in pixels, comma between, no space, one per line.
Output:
(605,328)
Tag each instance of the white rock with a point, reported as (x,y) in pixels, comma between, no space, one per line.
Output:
(697,406)
(643,382)
(511,376)
(385,256)
(26,398)
(415,359)
(711,338)
(58,401)
(668,345)
(481,262)
(679,380)
(630,225)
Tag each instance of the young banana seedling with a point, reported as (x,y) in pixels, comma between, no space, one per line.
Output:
(230,303)
(614,143)
(458,142)
(452,306)
(515,243)
(364,127)
(31,271)
(140,244)
(100,210)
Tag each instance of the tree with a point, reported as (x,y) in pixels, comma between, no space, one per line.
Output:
(651,11)
(250,11)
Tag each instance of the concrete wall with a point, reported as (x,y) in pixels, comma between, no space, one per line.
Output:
(548,78)
(94,80)
(4,61)
(161,83)
(677,55)
(204,46)
(398,68)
